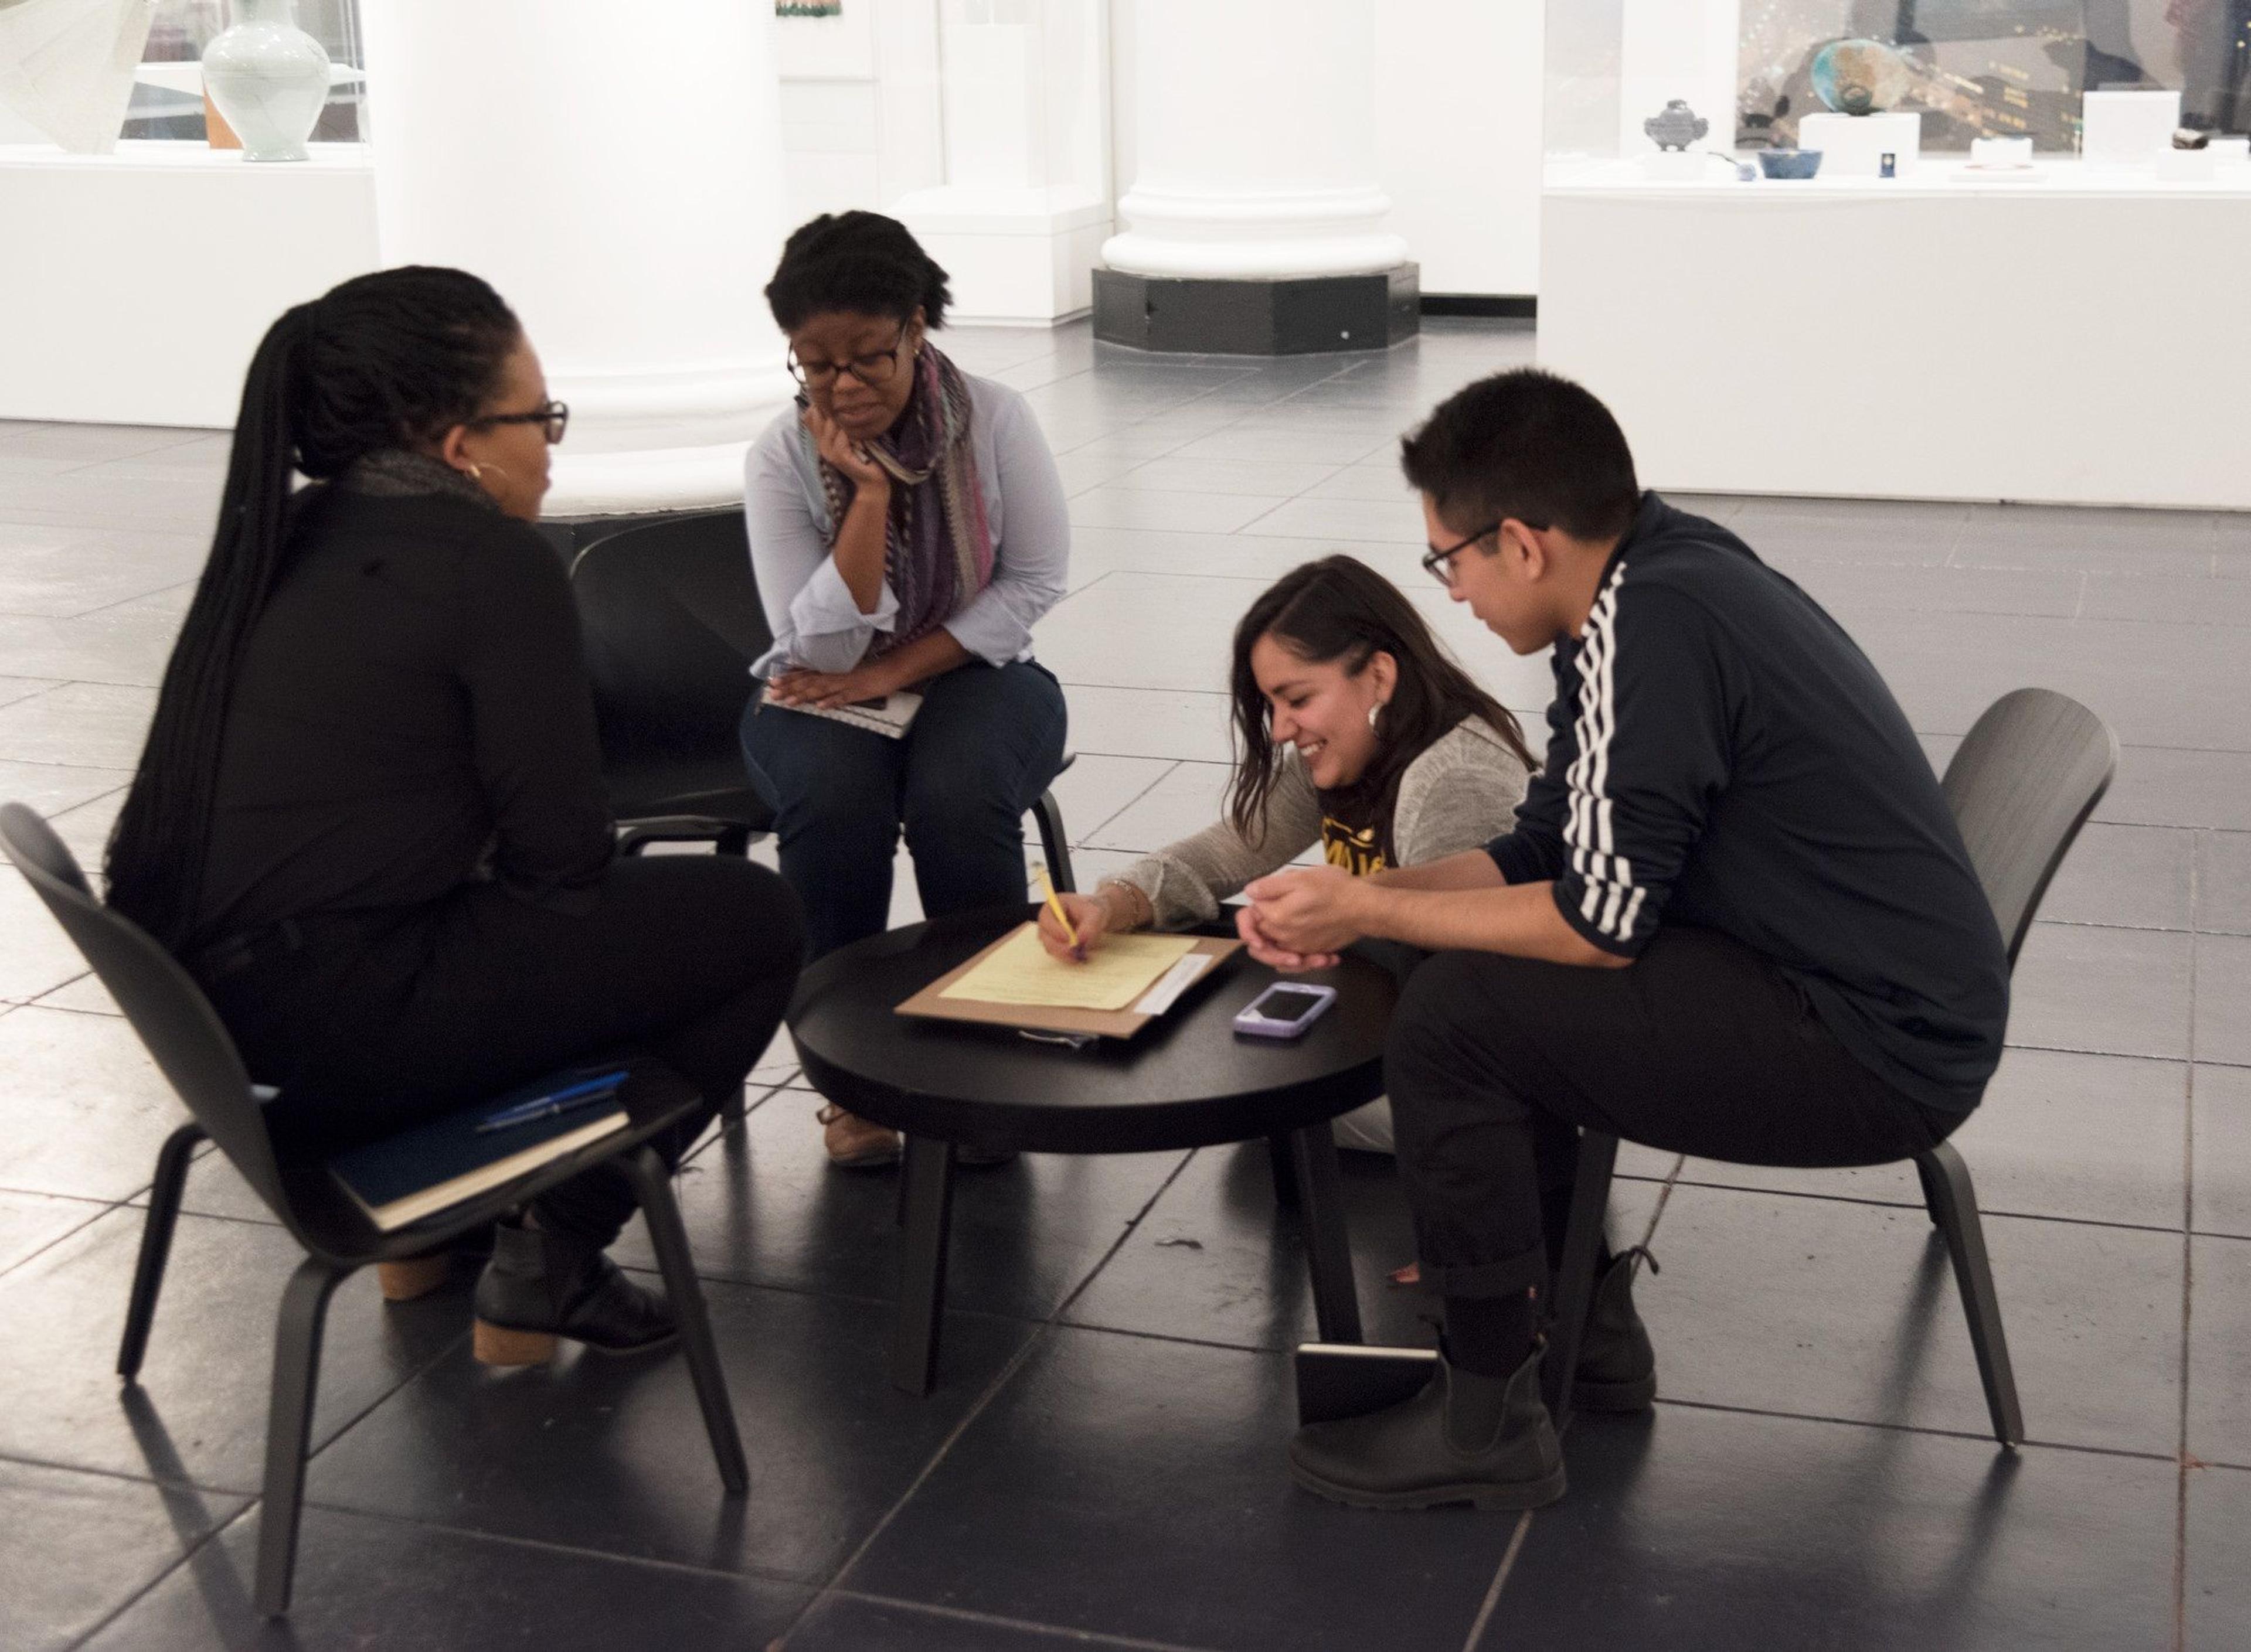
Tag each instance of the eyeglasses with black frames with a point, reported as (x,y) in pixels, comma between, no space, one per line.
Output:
(554,415)
(1439,564)
(874,371)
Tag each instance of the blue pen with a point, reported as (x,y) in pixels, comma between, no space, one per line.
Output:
(583,1094)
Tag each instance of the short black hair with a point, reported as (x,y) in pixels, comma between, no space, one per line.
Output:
(861,262)
(1525,444)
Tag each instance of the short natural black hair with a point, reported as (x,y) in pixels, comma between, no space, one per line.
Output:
(861,262)
(1529,445)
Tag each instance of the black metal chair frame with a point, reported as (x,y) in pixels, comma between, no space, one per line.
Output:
(185,1035)
(2024,781)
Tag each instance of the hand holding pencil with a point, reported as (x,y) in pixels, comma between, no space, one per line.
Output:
(1070,925)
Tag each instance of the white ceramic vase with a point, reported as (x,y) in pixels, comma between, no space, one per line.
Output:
(269,79)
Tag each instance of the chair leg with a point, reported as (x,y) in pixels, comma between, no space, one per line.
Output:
(736,1108)
(1283,1157)
(171,1180)
(1934,1200)
(928,1183)
(289,1426)
(1328,1240)
(1575,1281)
(652,1183)
(1955,1205)
(1053,844)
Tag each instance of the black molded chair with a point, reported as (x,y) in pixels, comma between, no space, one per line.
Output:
(673,624)
(2026,778)
(177,1023)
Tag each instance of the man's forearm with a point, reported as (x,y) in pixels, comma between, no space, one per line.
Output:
(1518,919)
(1471,869)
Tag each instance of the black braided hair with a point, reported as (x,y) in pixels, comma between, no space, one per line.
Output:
(861,262)
(389,360)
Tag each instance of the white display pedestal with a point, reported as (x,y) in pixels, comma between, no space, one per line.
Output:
(141,281)
(1853,146)
(2067,341)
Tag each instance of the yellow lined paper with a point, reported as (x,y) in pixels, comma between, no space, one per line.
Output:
(1118,970)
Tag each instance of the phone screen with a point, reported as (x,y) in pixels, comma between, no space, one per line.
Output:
(1287,1003)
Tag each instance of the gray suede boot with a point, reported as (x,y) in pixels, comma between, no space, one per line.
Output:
(1465,1438)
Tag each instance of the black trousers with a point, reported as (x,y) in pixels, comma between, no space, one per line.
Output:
(1700,1047)
(372,1022)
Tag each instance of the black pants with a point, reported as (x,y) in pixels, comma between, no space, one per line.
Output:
(1700,1047)
(375,1021)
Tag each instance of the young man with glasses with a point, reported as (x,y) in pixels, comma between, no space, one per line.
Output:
(1735,919)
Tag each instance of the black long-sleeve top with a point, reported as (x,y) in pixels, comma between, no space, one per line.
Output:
(412,714)
(1722,754)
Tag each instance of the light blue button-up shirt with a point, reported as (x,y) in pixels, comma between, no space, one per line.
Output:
(818,626)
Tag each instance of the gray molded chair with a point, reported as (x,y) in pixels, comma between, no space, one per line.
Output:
(672,623)
(2025,778)
(183,1033)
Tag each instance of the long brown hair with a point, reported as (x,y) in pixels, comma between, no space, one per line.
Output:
(1340,609)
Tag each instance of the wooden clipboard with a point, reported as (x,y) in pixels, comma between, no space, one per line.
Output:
(933,1004)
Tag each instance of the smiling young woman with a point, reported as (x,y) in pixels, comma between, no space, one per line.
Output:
(1353,730)
(908,528)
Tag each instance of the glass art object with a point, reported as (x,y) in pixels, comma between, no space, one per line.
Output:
(268,79)
(1860,76)
(66,66)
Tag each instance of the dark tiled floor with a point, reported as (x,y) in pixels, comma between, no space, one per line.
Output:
(1100,1464)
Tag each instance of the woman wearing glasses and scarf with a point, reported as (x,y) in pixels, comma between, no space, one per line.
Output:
(908,529)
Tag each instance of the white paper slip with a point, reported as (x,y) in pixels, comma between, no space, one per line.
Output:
(1174,981)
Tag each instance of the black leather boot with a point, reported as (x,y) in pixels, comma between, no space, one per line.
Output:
(1465,1438)
(1617,1368)
(538,1288)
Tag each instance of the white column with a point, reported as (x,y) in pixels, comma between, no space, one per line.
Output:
(1025,117)
(1255,128)
(616,172)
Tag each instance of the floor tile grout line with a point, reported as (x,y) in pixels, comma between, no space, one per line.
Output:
(992,1392)
(163,1483)
(1973,1436)
(1104,824)
(1492,1601)
(1909,1206)
(2188,1266)
(76,1228)
(1089,1637)
(184,1558)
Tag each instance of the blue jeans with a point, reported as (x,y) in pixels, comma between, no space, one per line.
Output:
(985,745)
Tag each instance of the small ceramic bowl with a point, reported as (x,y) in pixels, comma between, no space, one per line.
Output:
(1790,163)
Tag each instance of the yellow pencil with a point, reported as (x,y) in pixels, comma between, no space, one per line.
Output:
(1054,905)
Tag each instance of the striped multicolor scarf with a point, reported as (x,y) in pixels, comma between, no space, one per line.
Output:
(938,551)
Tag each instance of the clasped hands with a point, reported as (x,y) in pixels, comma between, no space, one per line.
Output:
(1303,918)
(829,689)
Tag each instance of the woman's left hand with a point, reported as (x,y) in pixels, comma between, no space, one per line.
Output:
(829,689)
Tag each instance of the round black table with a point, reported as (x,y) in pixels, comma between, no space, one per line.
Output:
(1186,1080)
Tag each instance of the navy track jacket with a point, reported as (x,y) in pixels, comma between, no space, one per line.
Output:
(1722,754)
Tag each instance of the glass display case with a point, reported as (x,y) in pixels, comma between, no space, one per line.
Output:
(167,100)
(1976,81)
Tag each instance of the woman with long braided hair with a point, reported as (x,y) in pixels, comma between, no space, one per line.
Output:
(369,816)
(908,528)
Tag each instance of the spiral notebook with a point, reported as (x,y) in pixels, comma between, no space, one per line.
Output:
(889,717)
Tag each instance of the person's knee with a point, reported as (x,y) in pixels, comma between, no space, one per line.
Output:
(1445,1059)
(971,802)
